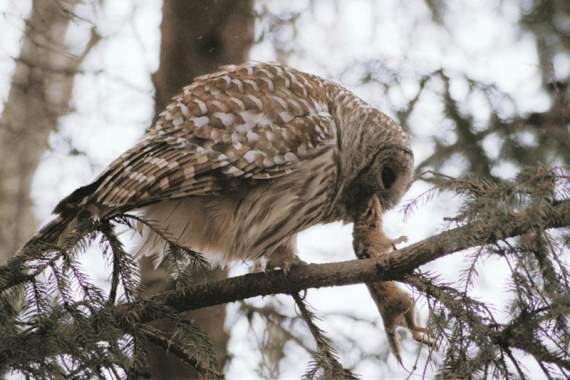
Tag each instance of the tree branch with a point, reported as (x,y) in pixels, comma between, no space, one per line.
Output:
(157,337)
(394,266)
(385,268)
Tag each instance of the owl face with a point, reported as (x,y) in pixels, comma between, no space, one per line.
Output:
(384,161)
(388,176)
(391,175)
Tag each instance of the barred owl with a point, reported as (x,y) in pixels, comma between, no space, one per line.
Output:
(243,159)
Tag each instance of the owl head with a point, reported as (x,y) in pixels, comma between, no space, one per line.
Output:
(388,177)
(386,164)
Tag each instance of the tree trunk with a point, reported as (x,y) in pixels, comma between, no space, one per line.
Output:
(40,92)
(196,38)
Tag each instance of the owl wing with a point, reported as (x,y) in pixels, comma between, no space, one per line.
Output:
(250,122)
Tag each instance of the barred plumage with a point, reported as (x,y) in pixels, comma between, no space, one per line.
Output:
(245,158)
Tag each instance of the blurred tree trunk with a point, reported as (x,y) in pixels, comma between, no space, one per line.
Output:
(196,38)
(40,92)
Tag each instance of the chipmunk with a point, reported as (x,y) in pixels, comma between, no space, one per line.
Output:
(394,304)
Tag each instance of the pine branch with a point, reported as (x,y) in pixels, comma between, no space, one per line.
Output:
(386,268)
(326,358)
(390,267)
(171,345)
(479,319)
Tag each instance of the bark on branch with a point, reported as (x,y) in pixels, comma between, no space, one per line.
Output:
(390,267)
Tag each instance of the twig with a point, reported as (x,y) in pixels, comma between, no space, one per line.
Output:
(156,336)
(390,267)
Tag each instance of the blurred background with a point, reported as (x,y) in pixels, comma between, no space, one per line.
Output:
(482,87)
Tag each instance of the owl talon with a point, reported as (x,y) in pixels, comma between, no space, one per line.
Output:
(398,240)
(286,263)
(284,258)
(401,239)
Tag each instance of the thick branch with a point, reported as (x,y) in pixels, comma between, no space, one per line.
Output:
(390,267)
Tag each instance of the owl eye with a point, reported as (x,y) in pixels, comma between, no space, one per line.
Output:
(388,177)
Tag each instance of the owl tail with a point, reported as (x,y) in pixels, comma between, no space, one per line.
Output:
(60,230)
(49,235)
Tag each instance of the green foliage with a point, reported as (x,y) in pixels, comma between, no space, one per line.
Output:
(56,323)
(476,344)
(189,343)
(325,363)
